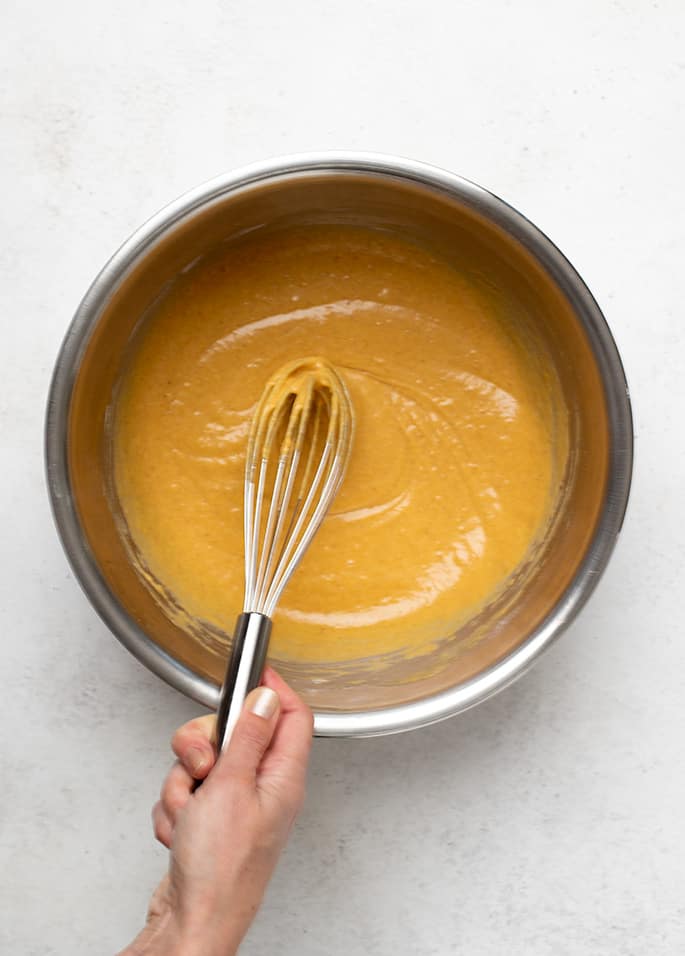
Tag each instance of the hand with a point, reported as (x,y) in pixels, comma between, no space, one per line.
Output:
(226,837)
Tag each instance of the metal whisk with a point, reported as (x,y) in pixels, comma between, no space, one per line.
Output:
(298,449)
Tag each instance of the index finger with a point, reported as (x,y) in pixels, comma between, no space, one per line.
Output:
(193,744)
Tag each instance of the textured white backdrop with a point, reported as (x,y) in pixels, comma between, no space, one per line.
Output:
(546,822)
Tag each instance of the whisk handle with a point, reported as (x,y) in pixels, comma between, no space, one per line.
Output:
(244,671)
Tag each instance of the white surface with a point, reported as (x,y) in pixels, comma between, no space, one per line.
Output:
(547,821)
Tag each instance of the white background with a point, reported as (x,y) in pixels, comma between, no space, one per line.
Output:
(547,821)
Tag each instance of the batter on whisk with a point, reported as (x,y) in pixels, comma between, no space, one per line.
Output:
(456,455)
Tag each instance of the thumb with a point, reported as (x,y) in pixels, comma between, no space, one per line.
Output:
(251,735)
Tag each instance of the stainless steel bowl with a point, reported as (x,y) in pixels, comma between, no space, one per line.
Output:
(462,220)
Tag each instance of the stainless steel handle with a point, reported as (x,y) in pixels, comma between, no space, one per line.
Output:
(243,672)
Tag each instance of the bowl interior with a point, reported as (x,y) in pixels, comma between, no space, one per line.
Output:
(460,231)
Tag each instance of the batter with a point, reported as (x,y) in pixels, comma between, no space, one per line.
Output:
(454,464)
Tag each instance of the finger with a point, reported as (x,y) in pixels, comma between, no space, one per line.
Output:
(162,826)
(288,755)
(176,790)
(251,736)
(193,745)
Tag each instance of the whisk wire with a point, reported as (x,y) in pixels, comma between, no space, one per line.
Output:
(297,452)
(268,419)
(277,515)
(276,535)
(248,511)
(298,540)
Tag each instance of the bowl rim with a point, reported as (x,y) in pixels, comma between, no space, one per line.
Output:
(446,703)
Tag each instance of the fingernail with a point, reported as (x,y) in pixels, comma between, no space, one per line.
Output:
(197,760)
(263,702)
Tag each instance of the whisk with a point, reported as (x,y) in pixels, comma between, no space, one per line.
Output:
(298,449)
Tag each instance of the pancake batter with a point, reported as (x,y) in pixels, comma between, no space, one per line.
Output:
(454,464)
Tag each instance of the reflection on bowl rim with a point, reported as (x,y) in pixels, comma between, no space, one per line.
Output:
(445,703)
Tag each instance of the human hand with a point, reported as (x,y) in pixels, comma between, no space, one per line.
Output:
(225,838)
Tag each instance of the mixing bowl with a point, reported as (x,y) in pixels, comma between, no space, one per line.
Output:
(467,225)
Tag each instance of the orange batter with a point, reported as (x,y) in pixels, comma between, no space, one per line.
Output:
(454,464)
